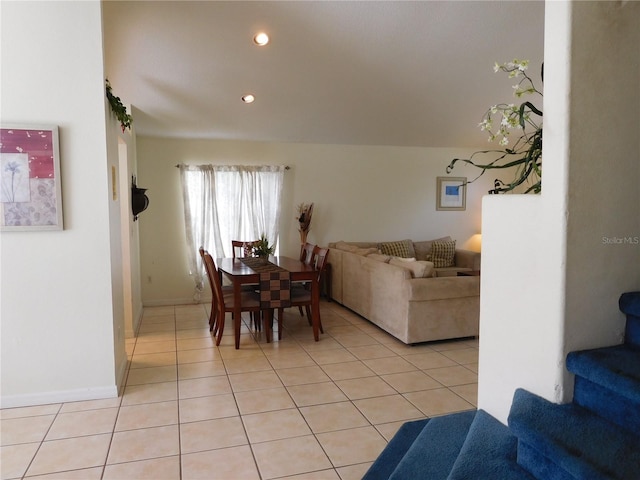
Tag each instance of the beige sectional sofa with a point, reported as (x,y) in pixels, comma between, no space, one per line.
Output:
(408,297)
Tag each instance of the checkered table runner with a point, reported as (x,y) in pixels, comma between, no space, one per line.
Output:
(275,283)
(258,265)
(275,289)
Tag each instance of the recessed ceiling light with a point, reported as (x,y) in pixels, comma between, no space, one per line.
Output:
(261,39)
(248,98)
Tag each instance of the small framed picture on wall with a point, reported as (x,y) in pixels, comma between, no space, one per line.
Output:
(451,193)
(30,191)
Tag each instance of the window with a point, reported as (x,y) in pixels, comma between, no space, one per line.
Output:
(227,202)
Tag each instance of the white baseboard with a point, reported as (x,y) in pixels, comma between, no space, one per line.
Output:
(44,398)
(175,301)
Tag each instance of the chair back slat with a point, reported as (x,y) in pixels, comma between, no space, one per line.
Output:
(206,267)
(308,253)
(214,279)
(242,248)
(321,255)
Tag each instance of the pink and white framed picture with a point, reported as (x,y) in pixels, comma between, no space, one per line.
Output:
(451,193)
(30,191)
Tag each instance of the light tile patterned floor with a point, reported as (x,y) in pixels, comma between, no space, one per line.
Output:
(293,408)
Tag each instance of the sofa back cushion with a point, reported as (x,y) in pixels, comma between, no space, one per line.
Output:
(443,253)
(354,248)
(401,248)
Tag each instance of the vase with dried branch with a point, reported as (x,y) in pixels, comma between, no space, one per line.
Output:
(305,211)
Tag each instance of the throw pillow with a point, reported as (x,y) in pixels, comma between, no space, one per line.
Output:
(418,269)
(423,248)
(403,259)
(379,257)
(443,253)
(402,248)
(342,245)
(428,269)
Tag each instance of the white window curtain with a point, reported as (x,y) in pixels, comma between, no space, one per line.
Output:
(228,202)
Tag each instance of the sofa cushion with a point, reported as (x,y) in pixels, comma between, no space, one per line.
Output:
(423,249)
(351,248)
(401,248)
(444,288)
(443,253)
(347,247)
(366,251)
(418,269)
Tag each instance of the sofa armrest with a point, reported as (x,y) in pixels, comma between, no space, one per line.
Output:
(467,259)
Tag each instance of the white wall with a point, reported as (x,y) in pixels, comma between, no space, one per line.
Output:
(126,167)
(359,193)
(124,249)
(604,181)
(57,312)
(550,284)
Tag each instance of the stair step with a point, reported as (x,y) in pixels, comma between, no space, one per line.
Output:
(616,368)
(436,448)
(489,452)
(388,460)
(630,305)
(544,467)
(608,383)
(575,442)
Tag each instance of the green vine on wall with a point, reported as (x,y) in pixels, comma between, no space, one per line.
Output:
(118,108)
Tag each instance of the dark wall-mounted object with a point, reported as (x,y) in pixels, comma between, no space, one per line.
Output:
(139,200)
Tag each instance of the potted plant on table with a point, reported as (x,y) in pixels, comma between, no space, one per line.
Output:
(262,249)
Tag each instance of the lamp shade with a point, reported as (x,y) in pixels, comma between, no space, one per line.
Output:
(474,243)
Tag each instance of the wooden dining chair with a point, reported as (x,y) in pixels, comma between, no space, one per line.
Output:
(225,301)
(214,309)
(242,248)
(301,295)
(307,255)
(226,290)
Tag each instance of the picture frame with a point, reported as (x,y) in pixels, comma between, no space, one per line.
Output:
(451,193)
(30,188)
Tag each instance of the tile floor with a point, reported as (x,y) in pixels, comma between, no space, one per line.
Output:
(289,409)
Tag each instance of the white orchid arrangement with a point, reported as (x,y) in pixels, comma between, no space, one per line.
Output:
(521,118)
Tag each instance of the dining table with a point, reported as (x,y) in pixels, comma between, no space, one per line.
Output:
(243,272)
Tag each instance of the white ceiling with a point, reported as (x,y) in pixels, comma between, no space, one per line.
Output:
(395,73)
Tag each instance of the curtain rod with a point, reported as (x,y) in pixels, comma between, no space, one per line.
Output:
(287,167)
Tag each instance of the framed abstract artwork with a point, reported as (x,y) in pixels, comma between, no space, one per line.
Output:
(451,193)
(30,191)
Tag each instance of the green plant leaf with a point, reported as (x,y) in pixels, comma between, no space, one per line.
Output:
(119,110)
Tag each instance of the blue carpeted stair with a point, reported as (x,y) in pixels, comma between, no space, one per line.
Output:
(597,436)
(493,443)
